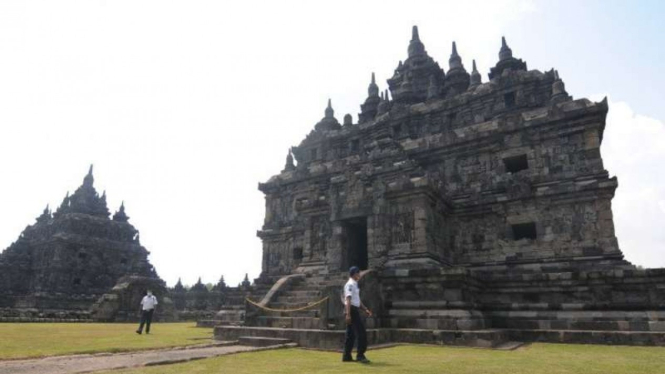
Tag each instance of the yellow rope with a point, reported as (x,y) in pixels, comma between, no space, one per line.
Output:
(286,310)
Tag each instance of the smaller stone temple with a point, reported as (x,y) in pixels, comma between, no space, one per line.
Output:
(64,262)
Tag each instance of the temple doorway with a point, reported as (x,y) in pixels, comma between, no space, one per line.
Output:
(354,243)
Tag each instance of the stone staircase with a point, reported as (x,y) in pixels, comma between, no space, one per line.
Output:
(300,293)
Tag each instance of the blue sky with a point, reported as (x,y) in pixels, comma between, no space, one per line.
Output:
(613,47)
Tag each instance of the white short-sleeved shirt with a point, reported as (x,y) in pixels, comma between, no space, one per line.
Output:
(148,302)
(351,289)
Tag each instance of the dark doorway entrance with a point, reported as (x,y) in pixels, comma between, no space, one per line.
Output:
(354,243)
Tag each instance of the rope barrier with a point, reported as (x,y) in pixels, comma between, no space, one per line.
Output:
(308,306)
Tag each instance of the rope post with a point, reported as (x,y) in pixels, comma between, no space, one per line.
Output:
(249,314)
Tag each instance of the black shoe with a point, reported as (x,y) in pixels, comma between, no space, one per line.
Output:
(362,360)
(139,332)
(347,359)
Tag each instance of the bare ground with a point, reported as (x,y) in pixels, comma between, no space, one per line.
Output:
(106,361)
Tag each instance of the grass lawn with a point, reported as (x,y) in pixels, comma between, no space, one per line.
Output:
(534,359)
(18,340)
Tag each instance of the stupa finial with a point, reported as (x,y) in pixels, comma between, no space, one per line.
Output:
(505,53)
(416,47)
(455,61)
(330,113)
(373,89)
(475,76)
(89,179)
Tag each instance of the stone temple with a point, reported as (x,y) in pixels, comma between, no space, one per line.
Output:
(63,263)
(480,212)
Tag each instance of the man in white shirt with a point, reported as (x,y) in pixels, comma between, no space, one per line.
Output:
(354,324)
(148,304)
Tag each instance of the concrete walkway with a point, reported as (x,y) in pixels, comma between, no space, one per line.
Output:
(105,361)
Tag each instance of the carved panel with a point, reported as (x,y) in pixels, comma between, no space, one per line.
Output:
(402,228)
(320,230)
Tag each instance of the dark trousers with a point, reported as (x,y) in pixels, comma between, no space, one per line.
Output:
(356,330)
(146,319)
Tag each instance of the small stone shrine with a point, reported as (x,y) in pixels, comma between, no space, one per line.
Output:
(480,212)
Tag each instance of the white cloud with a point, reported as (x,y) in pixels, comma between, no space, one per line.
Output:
(633,149)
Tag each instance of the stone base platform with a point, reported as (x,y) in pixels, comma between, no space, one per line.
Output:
(490,338)
(334,339)
(258,341)
(640,338)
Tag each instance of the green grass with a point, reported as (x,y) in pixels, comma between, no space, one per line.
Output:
(20,340)
(534,359)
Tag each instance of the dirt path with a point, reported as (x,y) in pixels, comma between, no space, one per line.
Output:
(98,362)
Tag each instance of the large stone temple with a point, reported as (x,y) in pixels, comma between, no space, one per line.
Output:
(481,212)
(66,260)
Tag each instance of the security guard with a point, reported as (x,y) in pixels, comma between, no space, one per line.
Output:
(354,324)
(148,305)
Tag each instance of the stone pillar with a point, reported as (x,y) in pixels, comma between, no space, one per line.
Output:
(335,255)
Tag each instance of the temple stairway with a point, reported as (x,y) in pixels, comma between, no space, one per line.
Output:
(284,308)
(323,325)
(460,306)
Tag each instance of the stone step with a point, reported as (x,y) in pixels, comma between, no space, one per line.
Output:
(435,313)
(641,338)
(432,305)
(436,323)
(539,324)
(581,315)
(595,270)
(302,313)
(279,304)
(494,306)
(288,322)
(311,296)
(295,300)
(334,339)
(300,293)
(508,346)
(261,341)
